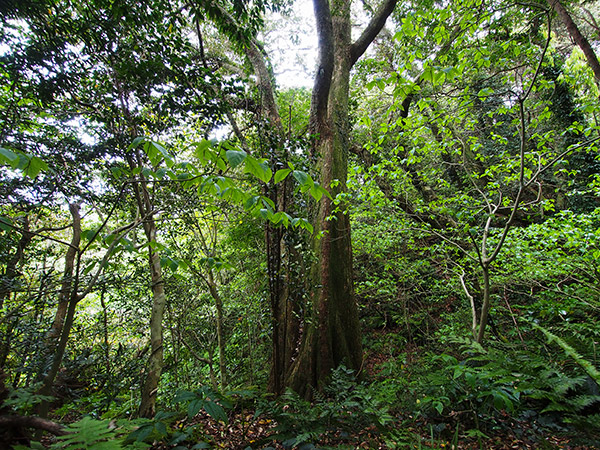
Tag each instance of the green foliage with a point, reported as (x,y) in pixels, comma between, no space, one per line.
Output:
(572,353)
(23,399)
(151,430)
(345,406)
(89,434)
(30,165)
(477,385)
(424,182)
(485,384)
(207,399)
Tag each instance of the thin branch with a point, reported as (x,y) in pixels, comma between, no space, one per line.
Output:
(522,149)
(471,301)
(37,233)
(539,66)
(444,238)
(124,231)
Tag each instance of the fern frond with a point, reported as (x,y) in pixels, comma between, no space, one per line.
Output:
(88,434)
(571,352)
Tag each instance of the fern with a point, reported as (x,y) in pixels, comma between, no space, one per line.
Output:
(571,352)
(89,434)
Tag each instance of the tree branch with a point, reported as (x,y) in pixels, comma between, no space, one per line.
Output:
(370,33)
(14,421)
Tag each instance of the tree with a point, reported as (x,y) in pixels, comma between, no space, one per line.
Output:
(332,334)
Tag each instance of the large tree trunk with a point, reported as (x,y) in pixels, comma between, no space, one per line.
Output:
(285,284)
(331,331)
(332,335)
(285,270)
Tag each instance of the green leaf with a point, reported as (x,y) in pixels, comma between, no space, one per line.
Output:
(89,433)
(485,92)
(317,192)
(428,75)
(116,171)
(259,169)
(89,267)
(136,142)
(8,156)
(281,174)
(184,396)
(265,213)
(302,223)
(5,224)
(35,166)
(251,201)
(215,411)
(195,406)
(235,157)
(161,428)
(201,149)
(300,176)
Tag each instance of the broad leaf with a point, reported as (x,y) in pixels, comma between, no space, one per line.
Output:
(235,157)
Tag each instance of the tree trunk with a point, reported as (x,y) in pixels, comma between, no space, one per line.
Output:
(59,353)
(332,335)
(286,292)
(10,272)
(67,279)
(212,287)
(485,304)
(63,324)
(579,38)
(155,360)
(285,285)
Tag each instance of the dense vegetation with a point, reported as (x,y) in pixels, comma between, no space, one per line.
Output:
(406,255)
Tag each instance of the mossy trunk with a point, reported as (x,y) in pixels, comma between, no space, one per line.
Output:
(332,333)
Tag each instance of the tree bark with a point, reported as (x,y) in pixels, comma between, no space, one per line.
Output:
(155,360)
(335,337)
(579,38)
(63,321)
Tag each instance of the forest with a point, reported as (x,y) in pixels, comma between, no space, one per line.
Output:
(294,224)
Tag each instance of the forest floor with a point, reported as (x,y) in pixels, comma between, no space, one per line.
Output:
(245,431)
